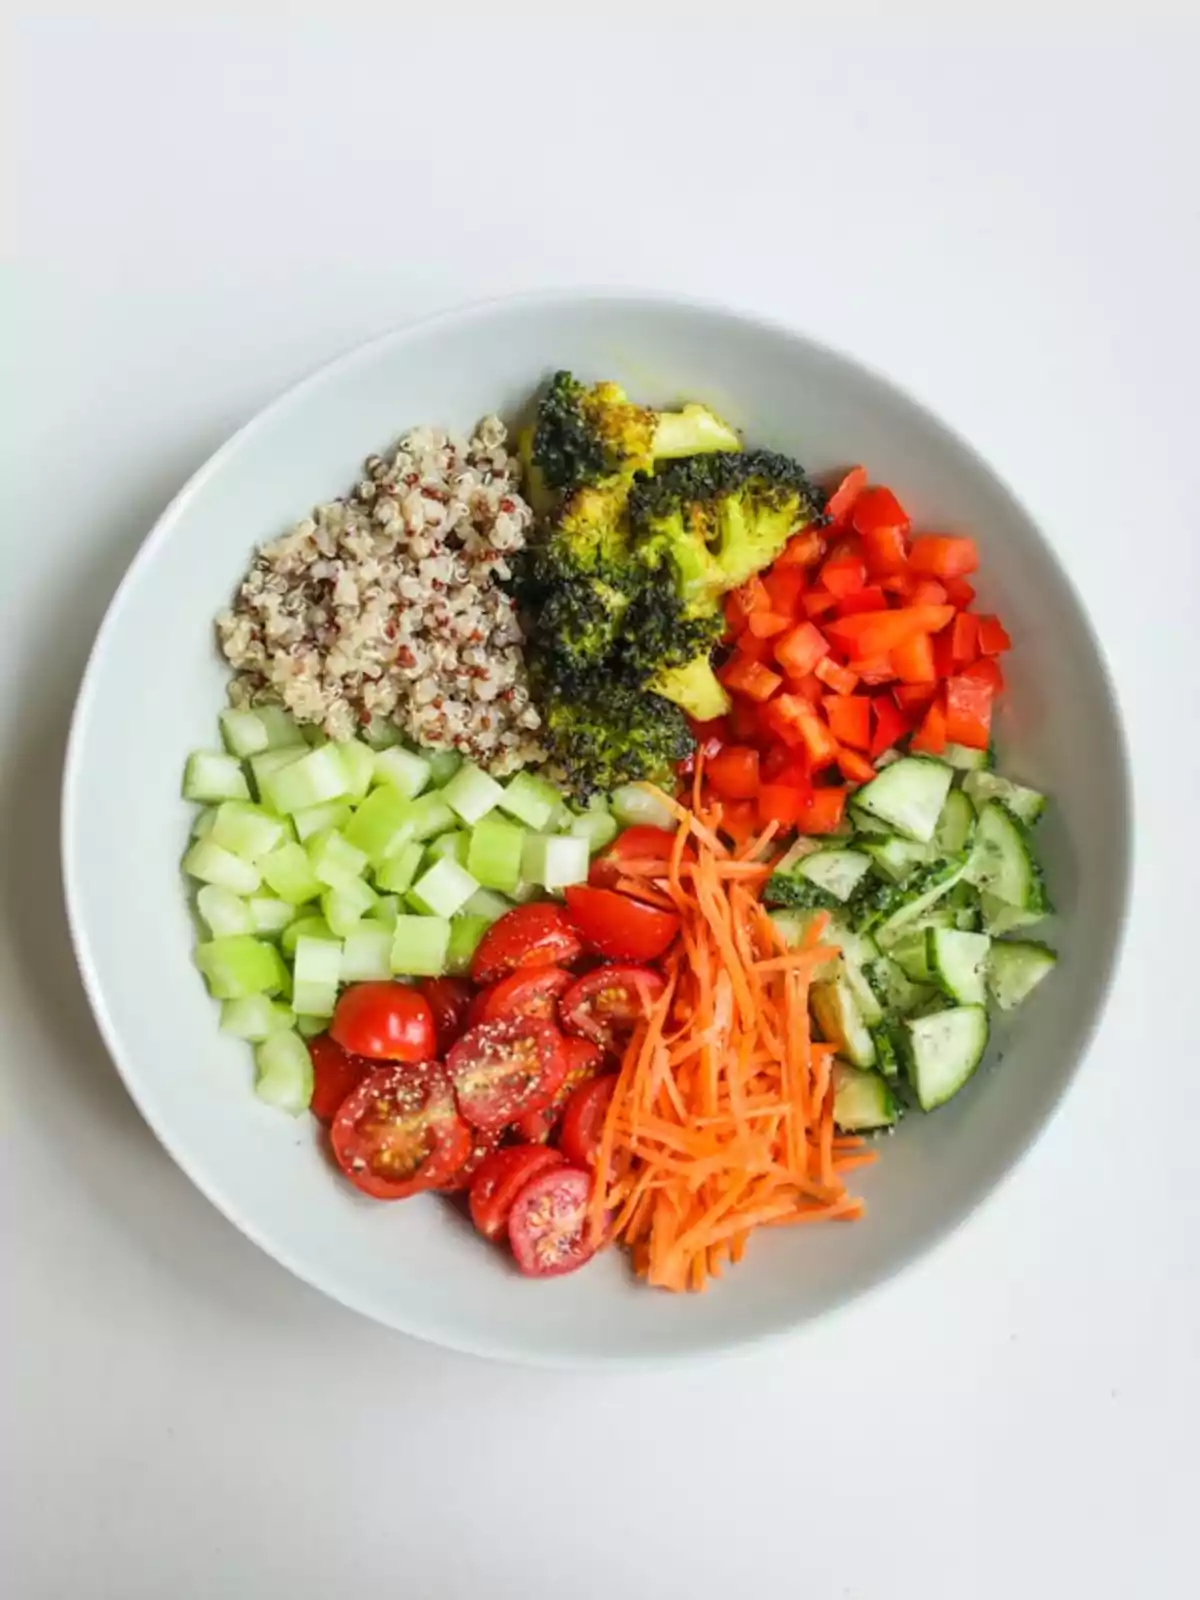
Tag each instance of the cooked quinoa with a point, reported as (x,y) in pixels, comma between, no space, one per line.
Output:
(386,605)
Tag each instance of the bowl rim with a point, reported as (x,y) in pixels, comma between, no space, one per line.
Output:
(294,394)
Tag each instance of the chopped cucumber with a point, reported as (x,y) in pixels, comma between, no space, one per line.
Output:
(211,775)
(313,778)
(272,761)
(444,889)
(223,912)
(494,857)
(204,823)
(313,927)
(958,963)
(313,819)
(334,860)
(472,793)
(403,771)
(316,972)
(396,875)
(386,909)
(367,953)
(599,828)
(268,915)
(443,764)
(554,861)
(450,847)
(909,795)
(285,1073)
(861,1100)
(956,825)
(841,1022)
(1015,969)
(238,965)
(998,918)
(911,955)
(887,1056)
(246,829)
(465,934)
(420,946)
(895,857)
(307,1027)
(837,872)
(288,872)
(211,864)
(359,762)
(1002,863)
(429,814)
(491,907)
(1025,804)
(864,822)
(346,906)
(796,852)
(250,731)
(916,901)
(531,800)
(255,1017)
(963,759)
(943,1050)
(633,803)
(963,902)
(897,993)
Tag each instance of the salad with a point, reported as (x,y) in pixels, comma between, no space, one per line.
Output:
(669,863)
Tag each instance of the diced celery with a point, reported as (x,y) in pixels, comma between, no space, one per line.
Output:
(386,909)
(465,934)
(269,915)
(472,793)
(204,823)
(450,847)
(255,1017)
(239,965)
(530,799)
(347,905)
(271,761)
(315,976)
(420,946)
(443,764)
(494,857)
(307,1026)
(402,769)
(334,860)
(285,1073)
(382,824)
(313,927)
(429,814)
(483,903)
(312,819)
(599,828)
(396,876)
(211,864)
(288,872)
(359,762)
(246,829)
(223,911)
(555,860)
(525,892)
(251,730)
(444,889)
(318,776)
(381,734)
(632,803)
(211,775)
(367,953)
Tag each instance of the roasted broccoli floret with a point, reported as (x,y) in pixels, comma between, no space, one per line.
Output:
(611,733)
(585,435)
(718,519)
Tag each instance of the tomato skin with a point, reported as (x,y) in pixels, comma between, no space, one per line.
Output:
(500,1180)
(483,1147)
(502,1069)
(385,1021)
(547,1226)
(534,935)
(639,843)
(398,1133)
(450,1001)
(335,1074)
(530,993)
(583,1120)
(584,1061)
(620,927)
(605,1005)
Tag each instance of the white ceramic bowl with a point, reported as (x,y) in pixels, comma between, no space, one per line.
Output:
(153,688)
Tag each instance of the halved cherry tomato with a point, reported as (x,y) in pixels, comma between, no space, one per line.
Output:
(386,1021)
(335,1074)
(605,1005)
(500,1180)
(584,1061)
(639,843)
(533,993)
(500,1069)
(583,1120)
(535,935)
(619,927)
(450,1001)
(547,1225)
(483,1145)
(398,1132)
(733,772)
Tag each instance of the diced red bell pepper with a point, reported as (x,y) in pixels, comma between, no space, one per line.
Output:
(849,718)
(969,712)
(715,731)
(744,724)
(779,764)
(780,718)
(878,633)
(927,592)
(820,744)
(843,574)
(885,550)
(943,653)
(824,811)
(900,583)
(751,678)
(871,598)
(754,648)
(809,686)
(818,602)
(959,592)
(993,636)
(876,670)
(841,502)
(742,603)
(853,767)
(785,585)
(840,679)
(913,660)
(766,624)
(964,638)
(739,819)
(987,670)
(801,550)
(890,724)
(930,737)
(799,650)
(878,508)
(781,803)
(733,772)
(936,555)
(914,699)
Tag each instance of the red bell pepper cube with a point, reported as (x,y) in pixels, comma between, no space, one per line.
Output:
(877,633)
(733,772)
(853,767)
(799,650)
(927,592)
(809,687)
(885,551)
(987,670)
(824,811)
(993,636)
(969,712)
(840,679)
(766,624)
(781,719)
(959,592)
(936,555)
(878,508)
(913,660)
(818,602)
(964,638)
(876,670)
(914,699)
(842,501)
(744,722)
(784,586)
(871,598)
(843,574)
(749,677)
(930,738)
(819,743)
(781,803)
(900,584)
(849,718)
(890,724)
(801,550)
(739,819)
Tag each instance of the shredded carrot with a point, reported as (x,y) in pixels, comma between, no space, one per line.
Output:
(722,1117)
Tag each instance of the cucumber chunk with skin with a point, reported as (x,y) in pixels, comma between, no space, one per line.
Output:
(909,795)
(943,1050)
(1015,968)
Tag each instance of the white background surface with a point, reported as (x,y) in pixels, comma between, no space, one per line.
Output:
(1006,222)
